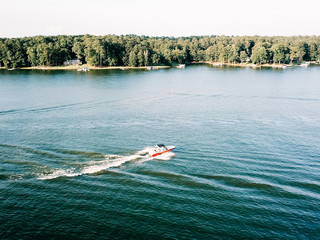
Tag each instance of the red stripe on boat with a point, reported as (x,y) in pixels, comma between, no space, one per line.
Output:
(156,154)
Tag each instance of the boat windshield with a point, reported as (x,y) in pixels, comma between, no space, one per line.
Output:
(160,145)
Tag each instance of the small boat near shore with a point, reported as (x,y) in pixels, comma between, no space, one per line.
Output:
(159,149)
(280,66)
(84,69)
(305,64)
(218,64)
(152,68)
(181,66)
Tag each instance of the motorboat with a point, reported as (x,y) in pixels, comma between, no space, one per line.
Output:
(159,149)
(305,64)
(181,66)
(83,69)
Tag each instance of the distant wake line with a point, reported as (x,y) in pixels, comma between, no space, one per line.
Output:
(110,161)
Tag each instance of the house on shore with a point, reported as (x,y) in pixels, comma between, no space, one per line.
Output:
(72,62)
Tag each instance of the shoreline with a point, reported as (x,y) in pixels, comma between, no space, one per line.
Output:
(76,67)
(252,65)
(212,63)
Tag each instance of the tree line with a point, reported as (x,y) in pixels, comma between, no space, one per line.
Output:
(132,50)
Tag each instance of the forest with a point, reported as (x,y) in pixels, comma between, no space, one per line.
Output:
(132,50)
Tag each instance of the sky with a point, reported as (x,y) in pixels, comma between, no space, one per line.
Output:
(20,18)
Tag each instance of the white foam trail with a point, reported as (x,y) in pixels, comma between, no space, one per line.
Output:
(59,173)
(109,162)
(144,151)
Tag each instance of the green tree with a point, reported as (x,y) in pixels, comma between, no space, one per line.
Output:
(299,51)
(99,49)
(146,57)
(43,54)
(167,54)
(78,49)
(12,53)
(234,54)
(212,53)
(112,50)
(313,47)
(94,52)
(223,53)
(280,53)
(140,58)
(32,56)
(133,60)
(179,55)
(243,56)
(259,54)
(155,59)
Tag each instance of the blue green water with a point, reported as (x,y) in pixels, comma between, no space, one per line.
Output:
(246,166)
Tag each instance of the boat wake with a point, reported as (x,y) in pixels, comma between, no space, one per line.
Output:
(110,161)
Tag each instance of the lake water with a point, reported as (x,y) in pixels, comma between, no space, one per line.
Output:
(246,166)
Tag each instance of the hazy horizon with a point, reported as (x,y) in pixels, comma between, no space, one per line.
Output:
(168,18)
